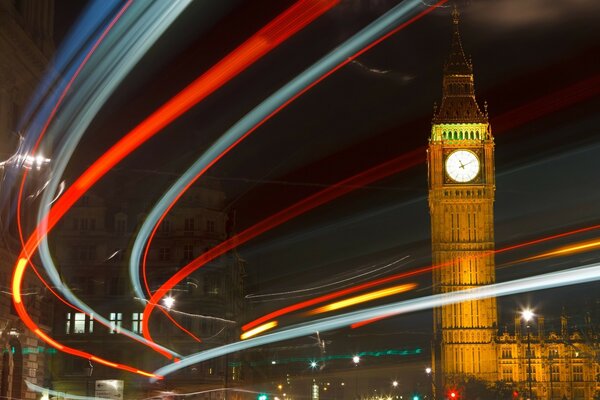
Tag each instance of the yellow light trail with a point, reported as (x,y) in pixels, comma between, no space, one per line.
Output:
(259,329)
(566,250)
(363,298)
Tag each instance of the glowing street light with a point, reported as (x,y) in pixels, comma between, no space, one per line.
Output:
(527,316)
(428,370)
(356,360)
(313,364)
(395,384)
(168,302)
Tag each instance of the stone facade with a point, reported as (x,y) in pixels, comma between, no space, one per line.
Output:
(92,246)
(26,31)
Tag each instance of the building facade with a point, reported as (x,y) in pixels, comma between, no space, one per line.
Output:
(92,245)
(466,340)
(26,45)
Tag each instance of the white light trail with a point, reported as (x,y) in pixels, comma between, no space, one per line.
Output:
(574,276)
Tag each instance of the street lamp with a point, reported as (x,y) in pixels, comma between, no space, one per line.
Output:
(356,360)
(395,384)
(429,373)
(527,316)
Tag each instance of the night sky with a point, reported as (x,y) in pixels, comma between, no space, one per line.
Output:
(527,55)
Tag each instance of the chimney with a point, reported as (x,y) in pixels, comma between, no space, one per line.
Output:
(564,328)
(518,326)
(540,323)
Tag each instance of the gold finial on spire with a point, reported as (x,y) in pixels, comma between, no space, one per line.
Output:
(455,14)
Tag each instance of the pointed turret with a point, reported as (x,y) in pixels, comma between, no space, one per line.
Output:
(458,97)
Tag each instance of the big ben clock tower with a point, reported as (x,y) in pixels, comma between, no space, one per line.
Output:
(460,160)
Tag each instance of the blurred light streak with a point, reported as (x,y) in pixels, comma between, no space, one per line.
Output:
(566,250)
(291,21)
(573,276)
(402,275)
(147,23)
(259,329)
(352,278)
(363,41)
(171,395)
(301,14)
(56,394)
(315,360)
(560,99)
(96,12)
(378,294)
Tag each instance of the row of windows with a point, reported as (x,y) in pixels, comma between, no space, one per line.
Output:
(577,375)
(458,135)
(506,352)
(80,323)
(189,225)
(84,224)
(77,323)
(89,224)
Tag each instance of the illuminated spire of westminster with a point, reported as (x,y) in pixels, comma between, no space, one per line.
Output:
(460,158)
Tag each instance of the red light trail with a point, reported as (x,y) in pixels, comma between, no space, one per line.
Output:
(277,31)
(326,195)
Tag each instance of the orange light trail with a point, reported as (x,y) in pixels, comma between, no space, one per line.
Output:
(566,250)
(259,329)
(26,319)
(363,298)
(299,15)
(401,275)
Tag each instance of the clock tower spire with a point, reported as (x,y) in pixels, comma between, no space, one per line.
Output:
(460,160)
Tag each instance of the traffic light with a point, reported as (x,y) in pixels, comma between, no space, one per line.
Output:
(262,396)
(453,394)
(515,394)
(416,397)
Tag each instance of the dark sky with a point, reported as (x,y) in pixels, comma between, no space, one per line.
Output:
(371,111)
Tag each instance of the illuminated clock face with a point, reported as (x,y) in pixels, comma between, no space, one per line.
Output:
(462,166)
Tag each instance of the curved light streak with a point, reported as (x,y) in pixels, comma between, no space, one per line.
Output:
(337,283)
(401,275)
(367,38)
(90,21)
(182,102)
(573,276)
(148,23)
(276,32)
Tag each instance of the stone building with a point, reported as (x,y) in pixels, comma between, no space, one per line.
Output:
(466,342)
(92,246)
(26,44)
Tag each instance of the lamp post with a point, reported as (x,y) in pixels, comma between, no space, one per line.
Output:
(356,360)
(527,316)
(433,388)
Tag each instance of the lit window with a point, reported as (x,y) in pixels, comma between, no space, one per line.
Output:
(116,320)
(91,324)
(79,323)
(136,322)
(68,323)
